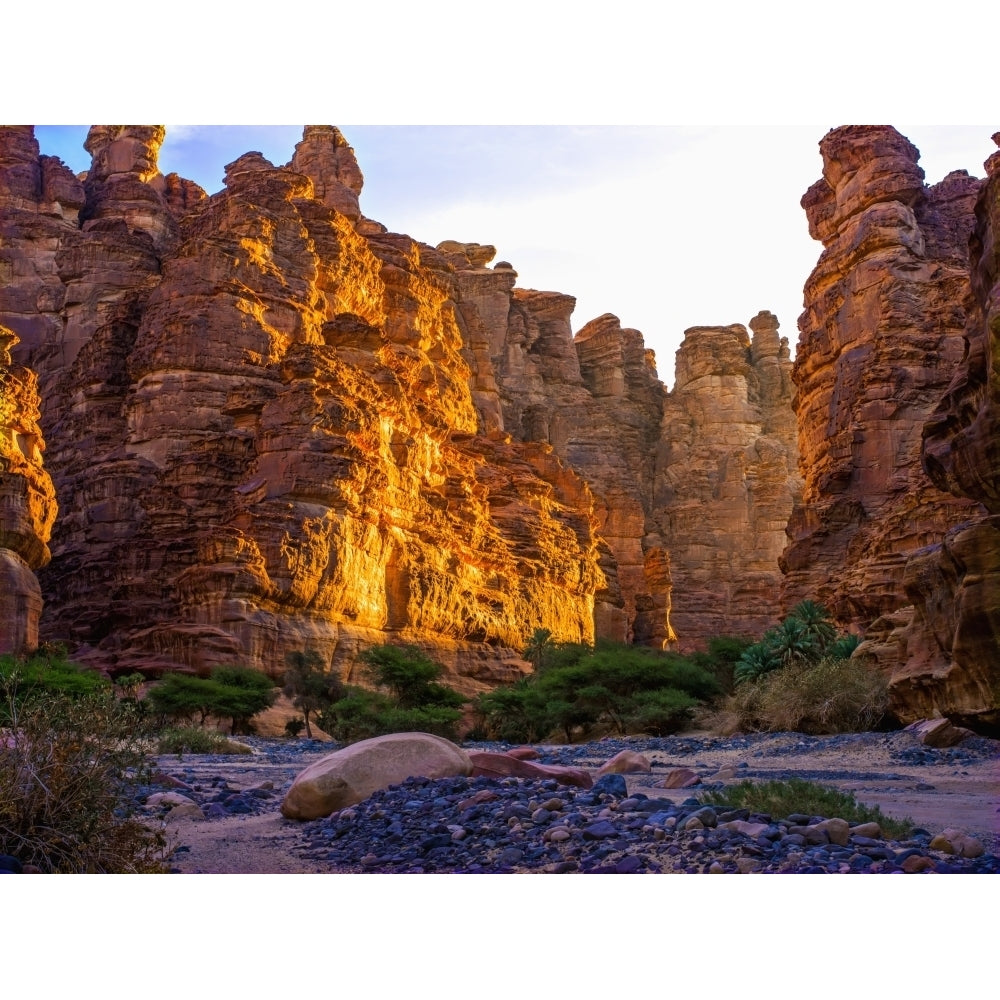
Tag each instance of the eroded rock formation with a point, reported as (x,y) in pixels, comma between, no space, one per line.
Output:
(27,504)
(946,656)
(880,339)
(265,429)
(727,478)
(274,424)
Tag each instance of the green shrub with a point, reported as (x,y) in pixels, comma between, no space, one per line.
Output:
(359,715)
(310,687)
(235,693)
(191,739)
(415,702)
(781,799)
(831,696)
(410,676)
(48,674)
(629,689)
(69,769)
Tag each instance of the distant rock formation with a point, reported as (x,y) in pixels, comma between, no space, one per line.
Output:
(727,479)
(880,339)
(272,424)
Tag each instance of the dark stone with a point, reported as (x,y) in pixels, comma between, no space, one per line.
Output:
(610,784)
(600,829)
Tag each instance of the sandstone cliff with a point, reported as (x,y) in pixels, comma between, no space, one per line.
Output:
(880,339)
(727,479)
(263,426)
(945,657)
(272,423)
(27,504)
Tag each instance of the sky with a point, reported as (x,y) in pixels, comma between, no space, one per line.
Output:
(666,227)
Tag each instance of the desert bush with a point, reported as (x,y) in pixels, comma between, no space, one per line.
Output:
(48,674)
(781,799)
(192,739)
(69,770)
(411,699)
(628,689)
(830,696)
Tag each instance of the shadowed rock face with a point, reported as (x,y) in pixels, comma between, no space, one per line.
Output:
(947,656)
(880,339)
(273,424)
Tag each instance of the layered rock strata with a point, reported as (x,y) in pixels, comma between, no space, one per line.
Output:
(274,424)
(945,657)
(267,432)
(880,339)
(727,479)
(27,504)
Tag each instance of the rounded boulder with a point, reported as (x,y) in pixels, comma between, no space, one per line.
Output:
(350,775)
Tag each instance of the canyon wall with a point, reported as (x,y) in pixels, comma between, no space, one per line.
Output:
(727,479)
(880,339)
(272,423)
(897,401)
(945,655)
(27,503)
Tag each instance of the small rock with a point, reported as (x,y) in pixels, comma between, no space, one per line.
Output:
(626,762)
(187,810)
(611,784)
(953,841)
(916,863)
(870,830)
(679,777)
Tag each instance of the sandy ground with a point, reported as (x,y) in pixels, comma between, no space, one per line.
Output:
(934,796)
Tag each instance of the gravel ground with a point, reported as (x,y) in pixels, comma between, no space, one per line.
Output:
(623,825)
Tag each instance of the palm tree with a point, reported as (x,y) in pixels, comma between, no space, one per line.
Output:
(538,648)
(816,624)
(755,661)
(791,642)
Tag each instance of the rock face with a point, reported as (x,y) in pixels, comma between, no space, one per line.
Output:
(947,656)
(880,339)
(27,504)
(727,478)
(273,424)
(267,433)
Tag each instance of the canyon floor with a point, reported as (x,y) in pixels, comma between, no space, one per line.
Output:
(958,787)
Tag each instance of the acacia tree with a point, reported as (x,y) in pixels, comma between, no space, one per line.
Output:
(309,685)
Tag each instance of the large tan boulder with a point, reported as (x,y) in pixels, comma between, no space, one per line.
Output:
(352,774)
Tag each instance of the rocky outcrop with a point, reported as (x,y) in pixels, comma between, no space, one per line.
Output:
(274,424)
(946,657)
(727,479)
(27,504)
(880,339)
(596,401)
(267,432)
